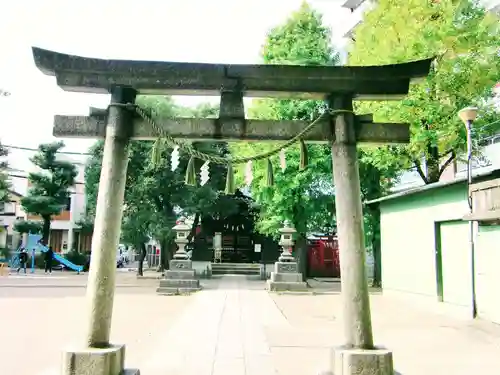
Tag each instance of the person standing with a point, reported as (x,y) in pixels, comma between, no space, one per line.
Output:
(23,259)
(49,254)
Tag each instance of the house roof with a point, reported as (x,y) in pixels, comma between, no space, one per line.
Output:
(405,193)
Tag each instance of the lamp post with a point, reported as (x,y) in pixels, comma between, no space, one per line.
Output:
(286,275)
(182,231)
(468,116)
(287,242)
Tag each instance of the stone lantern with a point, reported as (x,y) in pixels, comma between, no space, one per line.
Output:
(286,275)
(286,242)
(181,277)
(181,238)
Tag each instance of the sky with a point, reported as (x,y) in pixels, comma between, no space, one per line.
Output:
(215,31)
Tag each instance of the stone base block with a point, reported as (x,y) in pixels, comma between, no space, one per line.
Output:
(360,361)
(179,283)
(286,267)
(177,274)
(283,286)
(286,277)
(181,264)
(93,361)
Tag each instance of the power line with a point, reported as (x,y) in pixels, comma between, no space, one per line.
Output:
(36,150)
(26,177)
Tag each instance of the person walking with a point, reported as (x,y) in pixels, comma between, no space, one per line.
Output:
(49,254)
(23,259)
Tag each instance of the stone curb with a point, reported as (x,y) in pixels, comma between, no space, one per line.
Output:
(65,286)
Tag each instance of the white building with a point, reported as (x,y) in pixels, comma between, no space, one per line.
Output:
(64,231)
(9,213)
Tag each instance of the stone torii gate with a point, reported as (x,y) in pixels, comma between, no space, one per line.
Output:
(338,86)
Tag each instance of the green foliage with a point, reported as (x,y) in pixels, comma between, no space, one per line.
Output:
(302,39)
(4,178)
(5,253)
(464,39)
(49,190)
(303,195)
(28,226)
(155,195)
(75,257)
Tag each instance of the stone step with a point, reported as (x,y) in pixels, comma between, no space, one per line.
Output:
(235,272)
(283,286)
(179,283)
(286,277)
(172,291)
(236,265)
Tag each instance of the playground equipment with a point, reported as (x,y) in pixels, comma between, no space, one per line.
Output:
(66,263)
(33,243)
(4,263)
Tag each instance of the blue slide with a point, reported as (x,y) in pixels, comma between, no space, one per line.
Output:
(34,241)
(62,260)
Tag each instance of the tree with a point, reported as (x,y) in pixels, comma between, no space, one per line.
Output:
(49,191)
(4,178)
(305,197)
(464,39)
(28,226)
(155,195)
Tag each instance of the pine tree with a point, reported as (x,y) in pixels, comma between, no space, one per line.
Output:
(49,191)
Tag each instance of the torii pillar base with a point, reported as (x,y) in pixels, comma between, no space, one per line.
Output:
(360,361)
(96,361)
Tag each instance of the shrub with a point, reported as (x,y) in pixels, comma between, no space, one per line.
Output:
(73,256)
(76,258)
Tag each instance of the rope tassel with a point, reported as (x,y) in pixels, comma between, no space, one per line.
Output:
(191,173)
(156,151)
(269,174)
(304,160)
(230,186)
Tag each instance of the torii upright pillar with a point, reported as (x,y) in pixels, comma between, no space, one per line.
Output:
(339,85)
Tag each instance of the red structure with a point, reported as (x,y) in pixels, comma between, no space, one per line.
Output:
(323,257)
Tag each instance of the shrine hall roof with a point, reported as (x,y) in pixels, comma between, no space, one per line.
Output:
(82,74)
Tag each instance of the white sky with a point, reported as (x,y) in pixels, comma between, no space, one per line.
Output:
(225,31)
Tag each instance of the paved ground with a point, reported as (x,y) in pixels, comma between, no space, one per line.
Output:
(232,327)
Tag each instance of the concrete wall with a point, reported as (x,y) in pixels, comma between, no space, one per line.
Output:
(414,229)
(487,251)
(407,237)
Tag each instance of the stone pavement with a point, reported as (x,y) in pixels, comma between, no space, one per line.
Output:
(222,332)
(234,326)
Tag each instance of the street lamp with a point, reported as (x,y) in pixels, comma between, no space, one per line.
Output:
(286,242)
(182,231)
(468,116)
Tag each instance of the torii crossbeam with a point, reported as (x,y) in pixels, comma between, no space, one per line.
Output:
(338,86)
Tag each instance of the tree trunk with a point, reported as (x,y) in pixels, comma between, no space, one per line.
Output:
(432,160)
(301,253)
(374,191)
(45,230)
(167,252)
(142,256)
(432,164)
(300,225)
(196,221)
(376,247)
